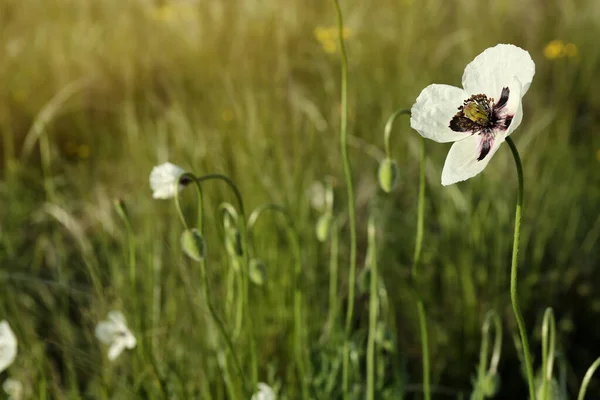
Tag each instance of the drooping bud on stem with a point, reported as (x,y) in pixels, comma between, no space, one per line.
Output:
(388,174)
(324,226)
(192,244)
(258,272)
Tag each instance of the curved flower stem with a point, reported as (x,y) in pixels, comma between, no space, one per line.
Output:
(351,201)
(220,325)
(415,275)
(294,239)
(246,266)
(373,307)
(587,378)
(388,128)
(513,271)
(234,280)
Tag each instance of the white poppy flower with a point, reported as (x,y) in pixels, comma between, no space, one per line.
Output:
(480,116)
(164,180)
(13,388)
(114,331)
(8,346)
(264,392)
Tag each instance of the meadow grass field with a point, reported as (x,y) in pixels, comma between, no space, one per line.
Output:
(95,94)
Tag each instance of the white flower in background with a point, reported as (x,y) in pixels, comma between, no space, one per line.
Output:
(13,388)
(264,392)
(317,195)
(114,331)
(480,116)
(8,346)
(164,180)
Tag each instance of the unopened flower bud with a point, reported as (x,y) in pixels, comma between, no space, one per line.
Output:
(192,244)
(388,174)
(324,226)
(258,272)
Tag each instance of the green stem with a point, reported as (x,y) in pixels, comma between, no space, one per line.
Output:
(373,306)
(222,329)
(587,378)
(299,345)
(246,266)
(388,128)
(513,271)
(351,202)
(414,274)
(197,181)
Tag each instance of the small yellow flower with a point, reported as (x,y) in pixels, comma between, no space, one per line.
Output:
(554,49)
(328,37)
(570,50)
(330,46)
(321,33)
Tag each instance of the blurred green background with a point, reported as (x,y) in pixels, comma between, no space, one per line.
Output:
(94,94)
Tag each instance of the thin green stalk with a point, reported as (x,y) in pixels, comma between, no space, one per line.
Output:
(587,378)
(207,299)
(333,274)
(513,271)
(388,128)
(234,280)
(300,342)
(246,266)
(212,310)
(351,202)
(373,307)
(414,274)
(222,329)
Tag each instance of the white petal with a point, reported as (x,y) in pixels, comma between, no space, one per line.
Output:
(8,346)
(516,120)
(495,68)
(129,340)
(106,331)
(461,162)
(13,388)
(117,318)
(116,349)
(264,392)
(433,111)
(164,180)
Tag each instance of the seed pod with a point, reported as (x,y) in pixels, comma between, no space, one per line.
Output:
(192,244)
(388,174)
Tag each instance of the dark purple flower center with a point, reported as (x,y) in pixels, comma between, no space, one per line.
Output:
(480,115)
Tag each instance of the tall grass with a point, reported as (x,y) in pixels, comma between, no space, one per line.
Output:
(96,93)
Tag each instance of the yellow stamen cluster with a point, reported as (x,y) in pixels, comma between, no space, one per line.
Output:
(328,37)
(476,113)
(559,49)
